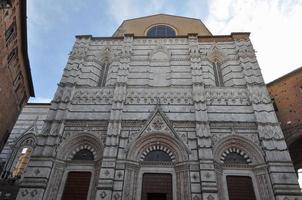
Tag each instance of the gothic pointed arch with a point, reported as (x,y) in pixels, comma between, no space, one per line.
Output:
(217,57)
(104,59)
(158,126)
(160,54)
(215,54)
(158,134)
(22,149)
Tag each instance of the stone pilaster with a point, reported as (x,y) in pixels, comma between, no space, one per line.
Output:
(109,186)
(281,172)
(207,174)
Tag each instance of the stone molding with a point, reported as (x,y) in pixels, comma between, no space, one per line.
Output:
(235,141)
(75,142)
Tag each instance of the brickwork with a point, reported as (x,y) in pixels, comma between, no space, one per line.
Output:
(287,96)
(15,78)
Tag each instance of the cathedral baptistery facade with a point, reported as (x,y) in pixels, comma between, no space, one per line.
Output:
(161,110)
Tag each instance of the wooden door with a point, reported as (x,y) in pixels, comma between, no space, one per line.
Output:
(157,187)
(77,186)
(240,188)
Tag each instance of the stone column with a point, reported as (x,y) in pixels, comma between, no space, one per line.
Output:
(208,186)
(280,169)
(109,186)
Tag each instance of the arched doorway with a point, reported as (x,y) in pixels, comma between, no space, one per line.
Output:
(241,170)
(157,168)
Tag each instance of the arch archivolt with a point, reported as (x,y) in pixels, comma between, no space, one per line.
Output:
(238,144)
(80,141)
(159,147)
(136,167)
(163,24)
(27,140)
(234,150)
(79,148)
(157,141)
(254,167)
(65,163)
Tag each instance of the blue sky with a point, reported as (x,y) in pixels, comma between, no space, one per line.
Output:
(52,26)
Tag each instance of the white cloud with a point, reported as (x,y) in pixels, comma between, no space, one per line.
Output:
(274,27)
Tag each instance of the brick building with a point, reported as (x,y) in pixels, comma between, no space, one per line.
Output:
(286,93)
(161,110)
(15,77)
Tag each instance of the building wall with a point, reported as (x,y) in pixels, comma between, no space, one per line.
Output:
(287,94)
(121,98)
(15,78)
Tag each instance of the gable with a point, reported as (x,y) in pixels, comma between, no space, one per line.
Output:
(182,25)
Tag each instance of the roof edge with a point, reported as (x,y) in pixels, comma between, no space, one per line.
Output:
(24,46)
(285,76)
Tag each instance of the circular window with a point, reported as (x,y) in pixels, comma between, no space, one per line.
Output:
(161,31)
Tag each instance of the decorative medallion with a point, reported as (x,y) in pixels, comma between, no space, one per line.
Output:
(157,124)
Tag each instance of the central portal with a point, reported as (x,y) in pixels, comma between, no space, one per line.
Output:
(157,187)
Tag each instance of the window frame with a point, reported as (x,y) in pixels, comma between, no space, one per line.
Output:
(155,25)
(239,172)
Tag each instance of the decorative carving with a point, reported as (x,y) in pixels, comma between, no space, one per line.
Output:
(151,96)
(36,171)
(196,197)
(268,132)
(235,155)
(264,187)
(79,50)
(24,192)
(29,142)
(208,175)
(105,56)
(159,147)
(160,54)
(259,95)
(215,55)
(157,123)
(93,96)
(226,96)
(33,193)
(103,194)
(84,146)
(117,196)
(210,197)
(106,173)
(78,53)
(245,50)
